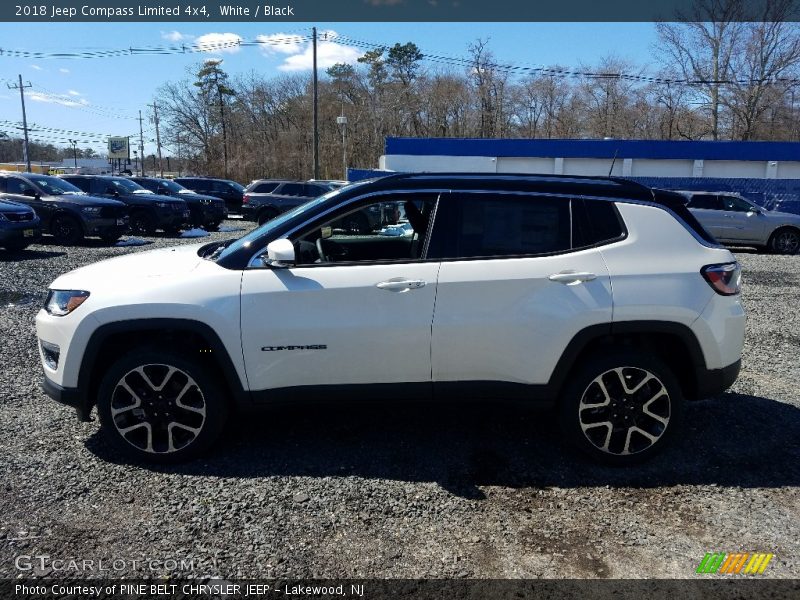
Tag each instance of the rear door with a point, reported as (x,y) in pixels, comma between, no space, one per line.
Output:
(512,291)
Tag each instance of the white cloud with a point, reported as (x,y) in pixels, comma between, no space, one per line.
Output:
(219,42)
(39,97)
(37,68)
(62,70)
(74,93)
(175,36)
(300,52)
(284,43)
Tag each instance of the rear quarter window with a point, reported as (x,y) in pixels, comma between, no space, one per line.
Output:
(595,222)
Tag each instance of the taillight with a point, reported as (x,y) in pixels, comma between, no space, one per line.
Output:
(246,199)
(726,278)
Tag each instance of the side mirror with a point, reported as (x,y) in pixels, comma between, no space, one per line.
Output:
(280,254)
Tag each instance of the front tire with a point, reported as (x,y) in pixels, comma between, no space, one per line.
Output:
(156,406)
(66,230)
(621,407)
(785,241)
(143,223)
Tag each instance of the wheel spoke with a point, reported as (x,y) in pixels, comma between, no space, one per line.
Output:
(125,430)
(195,431)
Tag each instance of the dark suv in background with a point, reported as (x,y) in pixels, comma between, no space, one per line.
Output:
(148,211)
(65,211)
(265,199)
(229,191)
(206,211)
(19,226)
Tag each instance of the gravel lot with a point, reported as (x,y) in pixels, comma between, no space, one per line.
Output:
(403,491)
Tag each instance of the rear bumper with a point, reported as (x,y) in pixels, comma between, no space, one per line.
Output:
(715,381)
(69,397)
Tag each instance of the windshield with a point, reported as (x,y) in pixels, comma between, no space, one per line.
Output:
(54,185)
(127,184)
(245,241)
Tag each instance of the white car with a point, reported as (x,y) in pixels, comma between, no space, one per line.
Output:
(735,220)
(596,295)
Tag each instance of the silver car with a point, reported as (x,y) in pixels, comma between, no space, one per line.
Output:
(736,221)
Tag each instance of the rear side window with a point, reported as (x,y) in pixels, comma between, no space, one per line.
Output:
(706,201)
(264,188)
(595,222)
(291,189)
(496,225)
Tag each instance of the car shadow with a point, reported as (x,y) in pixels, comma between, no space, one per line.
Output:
(28,254)
(733,440)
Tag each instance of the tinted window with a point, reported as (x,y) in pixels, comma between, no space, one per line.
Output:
(707,201)
(594,222)
(17,186)
(736,204)
(500,225)
(2,184)
(79,182)
(264,188)
(312,191)
(292,189)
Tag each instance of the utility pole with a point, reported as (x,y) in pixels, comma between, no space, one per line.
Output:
(25,157)
(141,142)
(75,153)
(222,119)
(158,137)
(314,92)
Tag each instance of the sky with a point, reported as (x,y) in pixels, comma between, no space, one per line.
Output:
(103,96)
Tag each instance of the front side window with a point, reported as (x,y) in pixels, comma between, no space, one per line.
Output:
(264,188)
(734,203)
(291,189)
(391,229)
(498,225)
(17,186)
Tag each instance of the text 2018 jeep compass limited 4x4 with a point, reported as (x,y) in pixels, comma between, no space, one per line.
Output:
(599,296)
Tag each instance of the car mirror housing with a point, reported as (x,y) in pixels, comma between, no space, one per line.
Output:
(280,254)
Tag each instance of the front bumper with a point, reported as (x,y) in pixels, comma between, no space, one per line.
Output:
(171,219)
(25,232)
(107,226)
(68,397)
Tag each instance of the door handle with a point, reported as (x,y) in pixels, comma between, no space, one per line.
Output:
(401,285)
(572,277)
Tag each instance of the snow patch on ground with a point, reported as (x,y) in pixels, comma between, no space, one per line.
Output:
(195,233)
(132,242)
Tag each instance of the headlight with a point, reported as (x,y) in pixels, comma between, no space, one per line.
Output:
(3,217)
(91,210)
(62,302)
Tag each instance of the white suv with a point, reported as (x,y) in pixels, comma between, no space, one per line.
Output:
(597,295)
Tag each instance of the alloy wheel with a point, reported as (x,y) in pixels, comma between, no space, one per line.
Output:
(158,408)
(787,242)
(624,410)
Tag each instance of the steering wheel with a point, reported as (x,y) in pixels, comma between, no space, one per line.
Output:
(322,256)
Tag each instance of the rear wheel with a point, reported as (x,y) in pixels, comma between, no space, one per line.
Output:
(157,406)
(621,407)
(142,222)
(785,241)
(66,230)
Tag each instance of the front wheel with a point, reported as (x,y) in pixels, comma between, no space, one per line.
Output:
(621,407)
(785,241)
(157,406)
(66,230)
(143,223)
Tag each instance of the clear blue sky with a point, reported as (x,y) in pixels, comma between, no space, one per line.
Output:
(104,95)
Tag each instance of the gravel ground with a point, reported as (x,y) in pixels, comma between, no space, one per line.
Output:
(402,491)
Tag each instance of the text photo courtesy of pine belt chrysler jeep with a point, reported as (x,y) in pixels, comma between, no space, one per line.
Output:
(597,296)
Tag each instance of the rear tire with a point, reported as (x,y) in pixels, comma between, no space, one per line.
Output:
(156,406)
(621,407)
(66,230)
(785,240)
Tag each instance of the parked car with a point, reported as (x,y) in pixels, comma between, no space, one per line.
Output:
(266,199)
(737,221)
(333,183)
(65,211)
(230,191)
(148,211)
(595,296)
(19,226)
(206,211)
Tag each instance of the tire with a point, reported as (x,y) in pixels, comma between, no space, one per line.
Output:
(172,230)
(66,230)
(785,240)
(156,406)
(142,222)
(212,226)
(636,416)
(266,215)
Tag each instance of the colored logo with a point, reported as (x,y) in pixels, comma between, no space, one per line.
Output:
(744,563)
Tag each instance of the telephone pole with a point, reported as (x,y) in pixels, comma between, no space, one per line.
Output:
(314,92)
(25,156)
(141,142)
(158,137)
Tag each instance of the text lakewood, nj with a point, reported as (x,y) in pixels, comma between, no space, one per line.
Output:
(53,11)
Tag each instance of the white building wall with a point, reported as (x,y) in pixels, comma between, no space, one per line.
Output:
(514,164)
